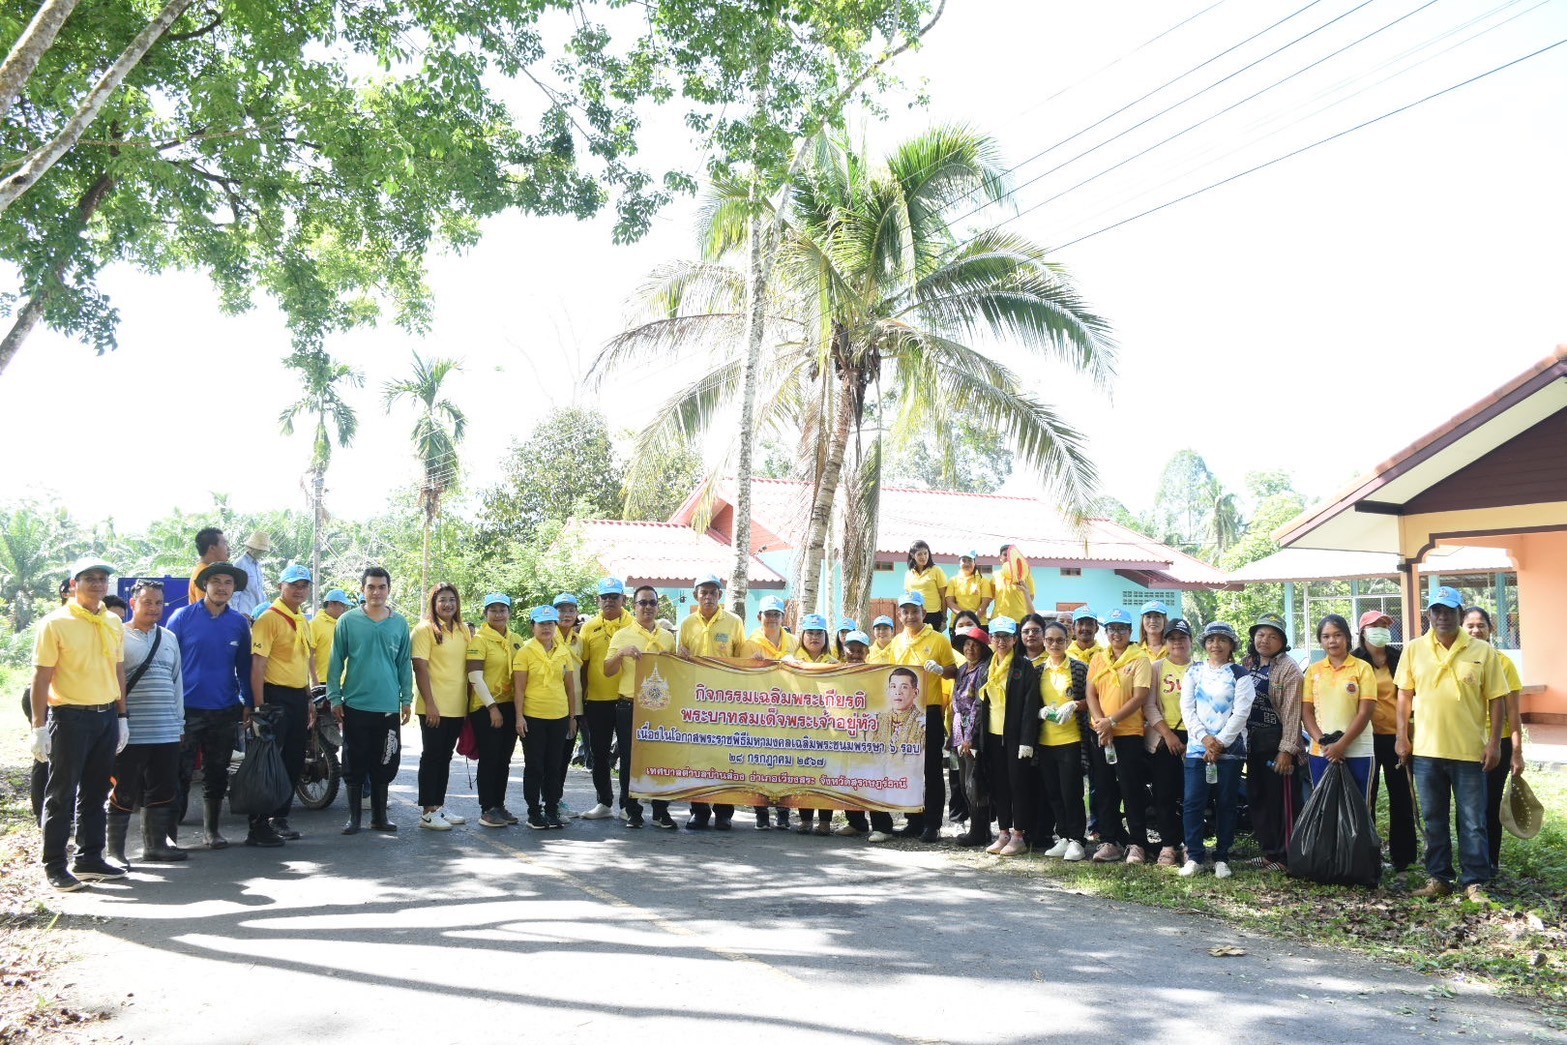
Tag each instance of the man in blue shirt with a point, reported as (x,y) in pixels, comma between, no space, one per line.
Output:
(214,643)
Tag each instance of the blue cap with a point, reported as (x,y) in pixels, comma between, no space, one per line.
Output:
(1003,626)
(256,613)
(294,574)
(1445,596)
(813,622)
(848,624)
(337,595)
(1084,613)
(544,615)
(1117,616)
(772,604)
(612,586)
(884,621)
(712,578)
(565,598)
(858,636)
(971,554)
(1154,606)
(495,598)
(912,598)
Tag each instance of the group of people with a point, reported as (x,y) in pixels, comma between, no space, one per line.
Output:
(1030,709)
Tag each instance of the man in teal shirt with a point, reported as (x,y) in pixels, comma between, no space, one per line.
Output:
(371,687)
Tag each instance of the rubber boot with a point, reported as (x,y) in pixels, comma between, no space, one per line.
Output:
(355,810)
(210,815)
(119,824)
(155,824)
(378,820)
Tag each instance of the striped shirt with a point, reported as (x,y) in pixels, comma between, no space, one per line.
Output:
(157,705)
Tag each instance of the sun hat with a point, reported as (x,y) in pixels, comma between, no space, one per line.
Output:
(258,542)
(89,562)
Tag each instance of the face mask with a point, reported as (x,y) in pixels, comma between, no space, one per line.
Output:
(1378,637)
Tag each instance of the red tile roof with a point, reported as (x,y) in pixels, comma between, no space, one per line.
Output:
(664,554)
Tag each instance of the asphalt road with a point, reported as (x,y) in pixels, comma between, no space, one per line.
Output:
(599,933)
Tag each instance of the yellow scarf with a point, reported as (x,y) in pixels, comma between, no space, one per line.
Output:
(301,626)
(774,652)
(996,682)
(100,621)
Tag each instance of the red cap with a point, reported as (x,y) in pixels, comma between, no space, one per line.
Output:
(977,634)
(1370,617)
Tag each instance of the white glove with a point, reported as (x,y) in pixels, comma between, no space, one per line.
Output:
(1047,714)
(481,688)
(125,735)
(41,743)
(1024,752)
(934,668)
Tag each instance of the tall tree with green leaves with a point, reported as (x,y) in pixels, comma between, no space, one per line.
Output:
(323,379)
(439,427)
(35,543)
(566,467)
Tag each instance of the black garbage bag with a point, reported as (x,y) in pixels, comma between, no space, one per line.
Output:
(1335,840)
(260,785)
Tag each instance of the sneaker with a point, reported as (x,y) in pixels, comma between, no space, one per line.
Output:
(1109,853)
(282,830)
(508,816)
(555,821)
(493,818)
(96,869)
(1221,869)
(764,825)
(1435,889)
(537,821)
(63,880)
(452,818)
(666,821)
(1168,857)
(930,835)
(1002,838)
(694,824)
(434,822)
(263,836)
(1190,868)
(847,831)
(1058,850)
(802,828)
(1075,852)
(1272,865)
(1016,846)
(634,821)
(722,824)
(1474,892)
(599,812)
(877,837)
(1135,855)
(823,828)
(622,814)
(564,811)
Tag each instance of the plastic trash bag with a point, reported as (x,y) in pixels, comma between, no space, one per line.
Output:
(1335,840)
(260,785)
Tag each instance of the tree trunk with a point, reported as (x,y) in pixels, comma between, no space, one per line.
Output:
(35,40)
(47,155)
(755,318)
(861,522)
(431,501)
(318,490)
(826,493)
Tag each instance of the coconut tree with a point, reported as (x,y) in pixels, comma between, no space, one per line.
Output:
(437,430)
(876,298)
(322,377)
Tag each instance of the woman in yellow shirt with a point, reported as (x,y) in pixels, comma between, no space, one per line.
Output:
(1058,704)
(925,577)
(1477,622)
(440,644)
(1164,738)
(1336,705)
(1376,648)
(812,650)
(544,688)
(491,651)
(970,590)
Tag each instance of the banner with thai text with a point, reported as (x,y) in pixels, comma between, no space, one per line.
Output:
(842,736)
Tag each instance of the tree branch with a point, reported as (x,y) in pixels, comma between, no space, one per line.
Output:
(30,48)
(217,20)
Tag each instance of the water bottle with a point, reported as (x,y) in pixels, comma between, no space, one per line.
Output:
(1111,758)
(1212,772)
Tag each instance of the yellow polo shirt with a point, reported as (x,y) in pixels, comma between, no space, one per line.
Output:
(970,591)
(1170,678)
(596,636)
(545,693)
(323,631)
(496,651)
(656,641)
(928,644)
(285,643)
(84,650)
(1452,689)
(1336,694)
(721,636)
(448,663)
(1514,684)
(803,657)
(758,643)
(1011,599)
(1055,688)
(1116,679)
(928,583)
(1384,717)
(879,654)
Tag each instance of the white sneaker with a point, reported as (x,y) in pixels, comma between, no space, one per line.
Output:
(452,818)
(599,812)
(1059,849)
(620,814)
(434,822)
(845,831)
(1221,869)
(1190,868)
(1075,852)
(879,836)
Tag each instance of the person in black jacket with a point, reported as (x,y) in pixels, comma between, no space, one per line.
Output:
(1058,705)
(1011,778)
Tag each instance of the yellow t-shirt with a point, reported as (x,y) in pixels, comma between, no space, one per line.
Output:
(323,630)
(928,644)
(596,636)
(283,637)
(545,693)
(758,643)
(721,636)
(448,661)
(970,591)
(196,594)
(1011,599)
(879,654)
(496,650)
(995,692)
(1055,687)
(930,582)
(1384,717)
(84,651)
(1452,689)
(1514,684)
(1170,679)
(656,641)
(826,656)
(1115,680)
(1337,694)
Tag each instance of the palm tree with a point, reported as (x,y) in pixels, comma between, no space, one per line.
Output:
(875,301)
(33,544)
(321,374)
(437,431)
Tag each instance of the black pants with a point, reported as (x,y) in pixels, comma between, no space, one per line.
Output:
(1061,782)
(1122,787)
(36,786)
(209,734)
(1495,783)
(1274,802)
(623,714)
(145,775)
(496,746)
(435,761)
(374,744)
(81,760)
(567,745)
(291,728)
(879,821)
(542,751)
(957,801)
(601,720)
(701,812)
(1167,774)
(935,770)
(1400,804)
(998,779)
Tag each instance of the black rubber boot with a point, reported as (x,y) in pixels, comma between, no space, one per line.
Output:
(355,809)
(155,824)
(119,824)
(378,820)
(210,815)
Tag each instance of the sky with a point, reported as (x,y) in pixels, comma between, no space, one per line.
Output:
(1316,316)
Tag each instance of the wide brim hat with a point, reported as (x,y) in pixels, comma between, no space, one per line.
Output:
(259,541)
(222,569)
(1522,813)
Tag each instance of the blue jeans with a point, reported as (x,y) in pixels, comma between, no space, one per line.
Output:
(1196,806)
(81,763)
(1359,768)
(1440,780)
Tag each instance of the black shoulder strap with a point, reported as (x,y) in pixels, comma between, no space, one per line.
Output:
(1238,672)
(141,669)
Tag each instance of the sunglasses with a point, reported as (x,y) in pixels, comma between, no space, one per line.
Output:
(647,602)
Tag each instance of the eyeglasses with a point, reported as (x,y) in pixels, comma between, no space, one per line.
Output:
(1055,640)
(647,602)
